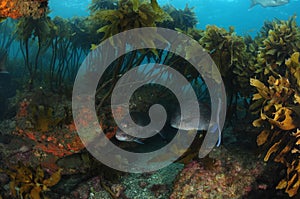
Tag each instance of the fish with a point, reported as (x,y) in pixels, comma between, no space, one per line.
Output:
(124,137)
(141,119)
(268,3)
(189,122)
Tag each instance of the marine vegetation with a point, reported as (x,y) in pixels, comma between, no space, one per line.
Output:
(280,39)
(28,29)
(230,53)
(103,5)
(68,43)
(182,19)
(27,8)
(223,177)
(41,114)
(53,49)
(130,14)
(27,182)
(7,36)
(64,41)
(278,101)
(280,119)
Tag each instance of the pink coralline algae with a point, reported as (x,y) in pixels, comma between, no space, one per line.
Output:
(225,178)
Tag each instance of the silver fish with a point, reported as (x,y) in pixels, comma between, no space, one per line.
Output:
(124,137)
(140,119)
(268,3)
(188,122)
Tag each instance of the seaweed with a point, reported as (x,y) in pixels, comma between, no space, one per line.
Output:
(103,5)
(278,104)
(130,14)
(28,29)
(182,19)
(40,113)
(230,54)
(280,40)
(27,182)
(293,64)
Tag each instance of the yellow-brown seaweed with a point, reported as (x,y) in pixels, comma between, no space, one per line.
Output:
(29,183)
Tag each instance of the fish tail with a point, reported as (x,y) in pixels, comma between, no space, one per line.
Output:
(220,137)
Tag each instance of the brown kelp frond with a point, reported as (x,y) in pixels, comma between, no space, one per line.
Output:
(293,64)
(182,19)
(130,14)
(27,182)
(230,54)
(282,40)
(30,28)
(103,5)
(278,104)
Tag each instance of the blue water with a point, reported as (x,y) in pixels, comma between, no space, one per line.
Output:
(223,13)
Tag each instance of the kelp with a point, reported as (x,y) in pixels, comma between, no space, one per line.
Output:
(64,40)
(281,39)
(130,14)
(229,52)
(182,19)
(7,38)
(294,67)
(31,28)
(277,101)
(28,29)
(194,33)
(103,5)
(27,182)
(278,104)
(43,118)
(225,47)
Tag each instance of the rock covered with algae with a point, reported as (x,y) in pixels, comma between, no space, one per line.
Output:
(225,177)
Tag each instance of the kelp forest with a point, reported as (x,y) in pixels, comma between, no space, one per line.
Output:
(42,155)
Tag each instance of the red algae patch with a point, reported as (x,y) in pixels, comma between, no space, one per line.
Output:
(227,177)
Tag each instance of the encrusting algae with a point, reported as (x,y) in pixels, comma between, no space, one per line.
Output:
(26,8)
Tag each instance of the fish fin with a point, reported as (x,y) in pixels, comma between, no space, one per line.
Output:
(216,128)
(138,141)
(162,135)
(220,137)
